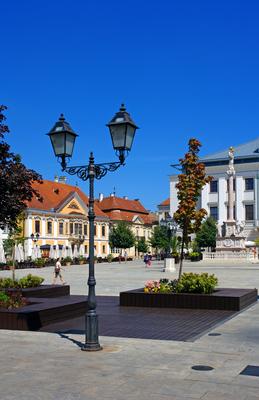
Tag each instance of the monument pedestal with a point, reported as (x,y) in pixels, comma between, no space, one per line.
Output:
(232,243)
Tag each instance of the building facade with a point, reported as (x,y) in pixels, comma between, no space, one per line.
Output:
(214,196)
(164,209)
(62,219)
(140,220)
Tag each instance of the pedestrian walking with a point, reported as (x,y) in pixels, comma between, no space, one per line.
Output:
(57,272)
(146,258)
(149,259)
(120,255)
(125,256)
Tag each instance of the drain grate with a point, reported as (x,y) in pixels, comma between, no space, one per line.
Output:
(214,334)
(202,368)
(250,370)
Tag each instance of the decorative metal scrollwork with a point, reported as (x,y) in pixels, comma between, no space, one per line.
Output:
(100,170)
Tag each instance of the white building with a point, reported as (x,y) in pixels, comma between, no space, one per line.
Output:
(214,197)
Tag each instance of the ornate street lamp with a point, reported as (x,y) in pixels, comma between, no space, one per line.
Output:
(122,130)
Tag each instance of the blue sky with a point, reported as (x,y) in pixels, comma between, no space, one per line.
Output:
(183,68)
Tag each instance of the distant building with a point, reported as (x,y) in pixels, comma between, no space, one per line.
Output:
(214,196)
(140,220)
(164,209)
(62,219)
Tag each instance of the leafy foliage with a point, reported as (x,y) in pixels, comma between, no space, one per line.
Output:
(121,236)
(160,239)
(206,236)
(197,283)
(15,180)
(12,300)
(142,245)
(190,184)
(28,281)
(188,283)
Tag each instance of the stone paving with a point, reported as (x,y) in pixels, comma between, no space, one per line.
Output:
(40,365)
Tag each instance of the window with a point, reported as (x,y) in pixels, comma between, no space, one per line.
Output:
(61,228)
(104,250)
(214,213)
(249,183)
(76,229)
(115,250)
(37,226)
(214,187)
(49,227)
(249,212)
(85,230)
(86,249)
(94,230)
(71,228)
(80,231)
(234,185)
(103,230)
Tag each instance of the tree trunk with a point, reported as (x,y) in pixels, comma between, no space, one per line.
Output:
(13,266)
(181,255)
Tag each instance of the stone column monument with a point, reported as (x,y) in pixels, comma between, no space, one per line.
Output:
(230,241)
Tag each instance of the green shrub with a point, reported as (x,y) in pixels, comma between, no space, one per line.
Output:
(68,259)
(196,283)
(40,262)
(6,283)
(30,281)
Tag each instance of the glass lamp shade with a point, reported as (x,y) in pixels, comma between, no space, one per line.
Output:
(122,130)
(62,138)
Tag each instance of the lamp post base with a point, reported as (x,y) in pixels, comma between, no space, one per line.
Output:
(91,337)
(93,347)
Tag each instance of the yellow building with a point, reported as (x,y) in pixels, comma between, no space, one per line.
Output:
(61,219)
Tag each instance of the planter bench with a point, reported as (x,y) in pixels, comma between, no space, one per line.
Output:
(43,311)
(221,299)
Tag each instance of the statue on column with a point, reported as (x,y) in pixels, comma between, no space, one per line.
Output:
(231,169)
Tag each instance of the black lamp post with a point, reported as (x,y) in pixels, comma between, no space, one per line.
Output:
(171,226)
(122,130)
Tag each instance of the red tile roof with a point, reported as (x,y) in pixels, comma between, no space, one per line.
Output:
(119,203)
(165,202)
(56,193)
(120,209)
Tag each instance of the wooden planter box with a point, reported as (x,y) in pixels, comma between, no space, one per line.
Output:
(43,311)
(43,291)
(221,299)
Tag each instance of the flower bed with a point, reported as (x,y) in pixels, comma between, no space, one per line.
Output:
(11,300)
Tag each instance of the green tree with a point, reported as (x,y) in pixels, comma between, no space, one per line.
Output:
(160,239)
(190,183)
(121,236)
(206,236)
(141,245)
(15,180)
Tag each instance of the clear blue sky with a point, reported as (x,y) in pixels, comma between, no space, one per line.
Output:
(183,68)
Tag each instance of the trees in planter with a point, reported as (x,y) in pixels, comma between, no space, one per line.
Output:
(121,236)
(190,183)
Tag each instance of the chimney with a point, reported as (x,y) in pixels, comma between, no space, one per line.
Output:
(56,178)
(100,197)
(62,179)
(125,197)
(112,195)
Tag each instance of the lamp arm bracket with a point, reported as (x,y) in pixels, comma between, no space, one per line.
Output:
(100,170)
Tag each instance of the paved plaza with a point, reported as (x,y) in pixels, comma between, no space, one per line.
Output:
(41,365)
